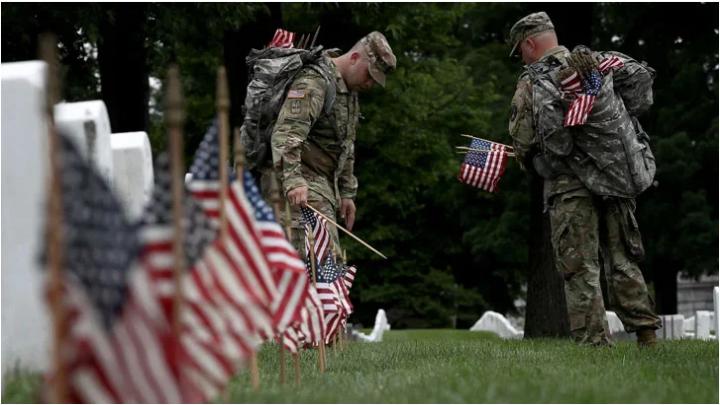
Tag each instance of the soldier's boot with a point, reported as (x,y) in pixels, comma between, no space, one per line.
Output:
(646,337)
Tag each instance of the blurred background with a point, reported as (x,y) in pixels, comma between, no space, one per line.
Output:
(455,251)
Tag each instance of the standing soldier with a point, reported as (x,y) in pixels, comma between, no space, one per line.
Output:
(314,151)
(595,159)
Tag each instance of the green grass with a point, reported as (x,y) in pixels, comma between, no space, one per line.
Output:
(450,366)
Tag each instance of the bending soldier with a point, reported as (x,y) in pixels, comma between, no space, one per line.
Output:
(313,151)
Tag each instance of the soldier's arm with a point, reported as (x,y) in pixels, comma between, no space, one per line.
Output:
(521,122)
(301,109)
(347,182)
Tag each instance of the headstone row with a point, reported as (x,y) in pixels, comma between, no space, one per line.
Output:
(123,159)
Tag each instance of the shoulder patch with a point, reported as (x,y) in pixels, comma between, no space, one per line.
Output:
(296,94)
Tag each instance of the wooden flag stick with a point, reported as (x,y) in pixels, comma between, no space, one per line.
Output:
(48,53)
(282,361)
(296,363)
(239,164)
(300,41)
(174,121)
(321,354)
(275,199)
(481,139)
(288,231)
(317,31)
(223,112)
(465,149)
(367,245)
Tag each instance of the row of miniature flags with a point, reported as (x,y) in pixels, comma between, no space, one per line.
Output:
(128,340)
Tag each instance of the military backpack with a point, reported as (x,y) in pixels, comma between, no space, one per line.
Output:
(610,152)
(271,71)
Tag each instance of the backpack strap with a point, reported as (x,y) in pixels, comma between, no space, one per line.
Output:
(330,89)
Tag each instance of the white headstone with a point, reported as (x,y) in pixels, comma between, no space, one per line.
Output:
(381,325)
(703,324)
(614,323)
(88,124)
(494,322)
(25,321)
(716,302)
(132,170)
(672,327)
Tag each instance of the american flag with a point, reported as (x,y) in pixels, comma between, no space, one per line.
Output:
(316,225)
(219,320)
(349,276)
(243,246)
(310,330)
(288,269)
(334,296)
(118,347)
(282,39)
(484,169)
(586,91)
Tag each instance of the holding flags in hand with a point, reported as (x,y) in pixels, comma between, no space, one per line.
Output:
(484,164)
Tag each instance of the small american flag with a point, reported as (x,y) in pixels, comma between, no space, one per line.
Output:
(316,225)
(218,322)
(334,296)
(117,348)
(310,329)
(484,169)
(349,276)
(288,269)
(586,91)
(282,39)
(243,245)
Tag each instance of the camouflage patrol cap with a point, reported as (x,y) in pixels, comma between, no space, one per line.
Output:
(380,56)
(527,26)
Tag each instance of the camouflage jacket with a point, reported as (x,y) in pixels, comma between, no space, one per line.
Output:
(522,131)
(314,149)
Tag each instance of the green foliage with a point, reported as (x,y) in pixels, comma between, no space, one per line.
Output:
(454,251)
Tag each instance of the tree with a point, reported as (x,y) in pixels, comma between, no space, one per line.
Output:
(122,59)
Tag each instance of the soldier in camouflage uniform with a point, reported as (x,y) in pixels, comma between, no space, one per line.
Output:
(313,152)
(584,217)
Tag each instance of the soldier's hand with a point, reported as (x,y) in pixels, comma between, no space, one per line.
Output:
(347,212)
(298,196)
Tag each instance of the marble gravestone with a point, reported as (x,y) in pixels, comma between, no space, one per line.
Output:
(492,321)
(132,171)
(26,325)
(87,123)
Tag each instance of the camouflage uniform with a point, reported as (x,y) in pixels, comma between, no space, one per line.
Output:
(581,221)
(317,150)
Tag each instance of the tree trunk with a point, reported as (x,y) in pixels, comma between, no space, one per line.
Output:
(546,312)
(123,66)
(666,288)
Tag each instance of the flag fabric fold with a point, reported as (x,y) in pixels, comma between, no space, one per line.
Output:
(586,91)
(282,39)
(119,347)
(484,165)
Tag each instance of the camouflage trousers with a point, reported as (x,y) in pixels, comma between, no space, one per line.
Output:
(580,225)
(297,228)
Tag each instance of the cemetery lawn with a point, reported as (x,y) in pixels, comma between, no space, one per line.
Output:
(451,366)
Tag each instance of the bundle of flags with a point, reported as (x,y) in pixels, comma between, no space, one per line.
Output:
(332,279)
(484,164)
(139,332)
(282,39)
(586,90)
